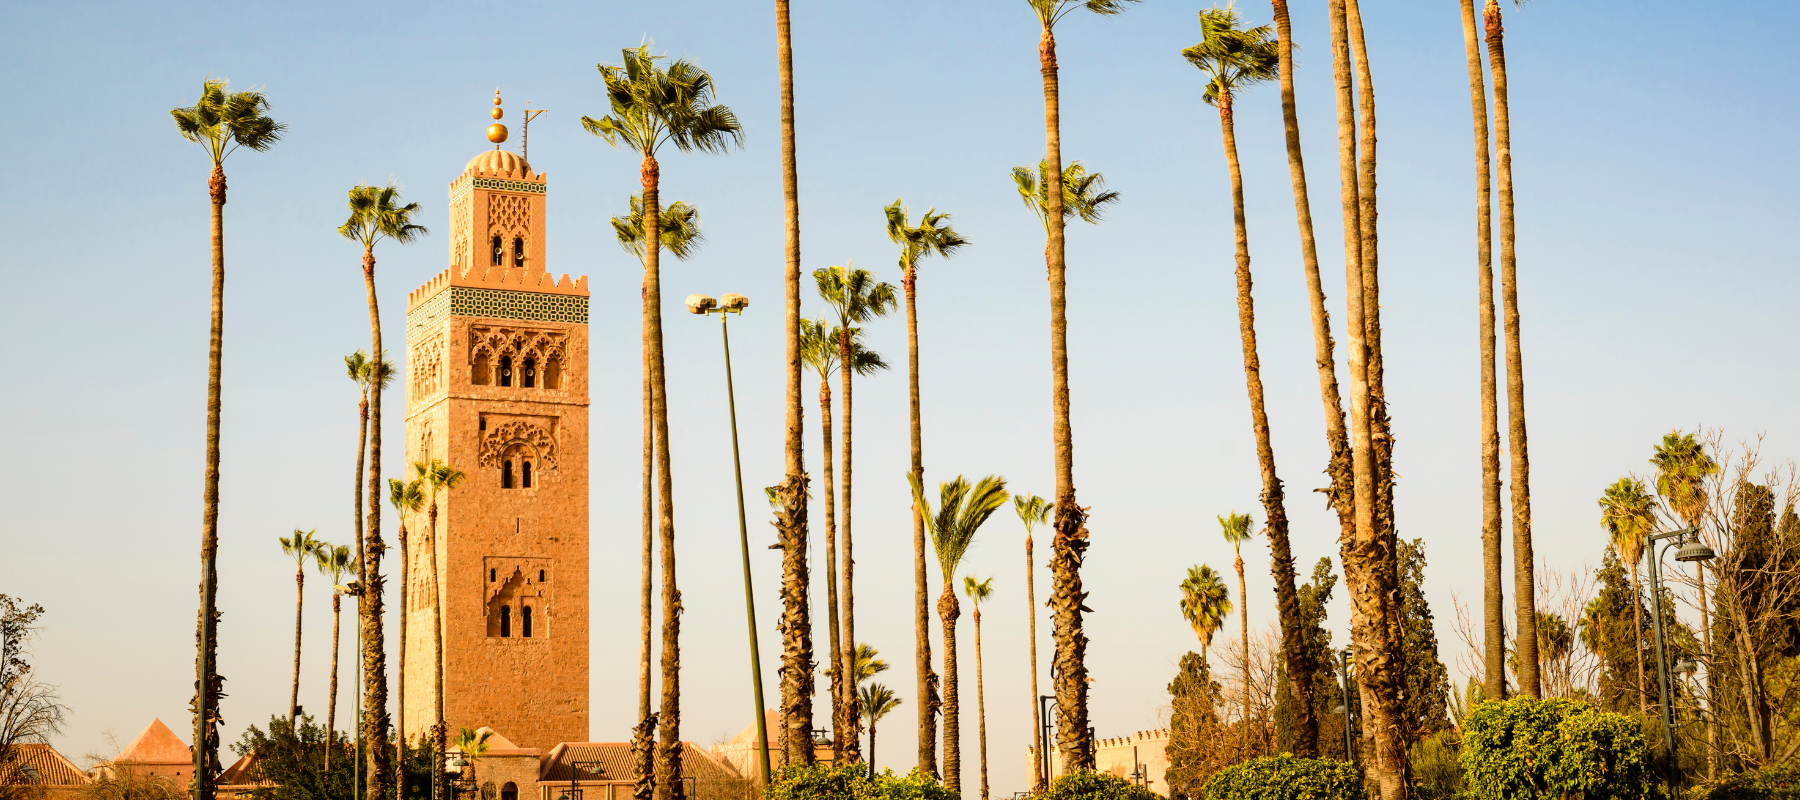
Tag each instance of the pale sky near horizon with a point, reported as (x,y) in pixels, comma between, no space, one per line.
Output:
(1652,183)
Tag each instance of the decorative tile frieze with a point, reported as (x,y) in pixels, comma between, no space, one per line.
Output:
(504,304)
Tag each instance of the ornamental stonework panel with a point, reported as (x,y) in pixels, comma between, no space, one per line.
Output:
(506,434)
(524,306)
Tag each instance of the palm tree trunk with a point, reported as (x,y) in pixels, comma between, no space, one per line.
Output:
(928,682)
(400,675)
(846,657)
(1524,596)
(948,611)
(1244,620)
(981,704)
(643,741)
(1637,639)
(839,675)
(670,785)
(791,520)
(331,708)
(1493,590)
(1069,667)
(871,747)
(1037,719)
(439,733)
(299,600)
(362,437)
(207,683)
(375,717)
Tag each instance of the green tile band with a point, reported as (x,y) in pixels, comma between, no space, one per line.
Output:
(527,306)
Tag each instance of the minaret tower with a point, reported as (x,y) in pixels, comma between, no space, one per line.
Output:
(497,386)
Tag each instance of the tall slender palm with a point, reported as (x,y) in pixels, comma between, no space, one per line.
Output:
(376,213)
(855,298)
(334,563)
(679,233)
(220,122)
(1205,602)
(438,478)
(1493,590)
(1628,513)
(300,547)
(876,701)
(1237,529)
(819,346)
(1033,511)
(933,235)
(1236,58)
(407,497)
(652,106)
(1682,466)
(977,592)
(961,511)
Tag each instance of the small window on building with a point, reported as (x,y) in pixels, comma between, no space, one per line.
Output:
(505,621)
(506,474)
(478,372)
(526,473)
(490,575)
(518,252)
(525,621)
(484,423)
(540,576)
(506,370)
(499,254)
(530,374)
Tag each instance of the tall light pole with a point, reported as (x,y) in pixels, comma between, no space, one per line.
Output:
(1691,550)
(726,305)
(1045,702)
(1349,755)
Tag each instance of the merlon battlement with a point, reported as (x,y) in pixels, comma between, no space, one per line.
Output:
(520,279)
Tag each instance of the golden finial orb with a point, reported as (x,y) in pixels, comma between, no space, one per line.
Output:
(496,132)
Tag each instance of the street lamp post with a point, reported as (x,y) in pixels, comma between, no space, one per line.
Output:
(573,790)
(1344,709)
(726,305)
(1691,550)
(1045,703)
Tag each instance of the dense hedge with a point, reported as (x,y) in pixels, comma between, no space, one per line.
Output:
(1085,785)
(1780,782)
(852,782)
(1285,777)
(1556,749)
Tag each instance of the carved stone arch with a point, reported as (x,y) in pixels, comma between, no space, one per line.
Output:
(507,437)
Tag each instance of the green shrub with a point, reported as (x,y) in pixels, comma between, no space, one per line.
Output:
(1556,749)
(1285,777)
(1086,785)
(1435,773)
(1780,782)
(852,782)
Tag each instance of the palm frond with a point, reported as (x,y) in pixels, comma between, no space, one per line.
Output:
(376,212)
(1236,529)
(1084,194)
(854,294)
(1234,57)
(978,591)
(1032,510)
(406,496)
(222,121)
(1628,513)
(357,364)
(961,511)
(652,105)
(877,701)
(677,228)
(1205,601)
(932,236)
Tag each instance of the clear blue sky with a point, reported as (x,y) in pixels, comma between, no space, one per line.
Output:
(1654,185)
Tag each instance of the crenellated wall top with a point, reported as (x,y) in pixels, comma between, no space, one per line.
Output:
(518,279)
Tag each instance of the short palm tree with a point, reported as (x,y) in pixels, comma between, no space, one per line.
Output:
(856,298)
(221,122)
(652,105)
(1628,513)
(300,547)
(678,231)
(1682,467)
(1205,602)
(960,512)
(932,236)
(876,702)
(866,663)
(1237,529)
(1033,511)
(407,497)
(977,592)
(819,343)
(436,478)
(334,563)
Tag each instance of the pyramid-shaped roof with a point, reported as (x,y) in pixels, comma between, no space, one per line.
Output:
(156,745)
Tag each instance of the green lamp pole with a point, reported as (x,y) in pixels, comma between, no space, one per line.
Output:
(735,304)
(1691,550)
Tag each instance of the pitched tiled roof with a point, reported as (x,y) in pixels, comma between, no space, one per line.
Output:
(611,761)
(43,766)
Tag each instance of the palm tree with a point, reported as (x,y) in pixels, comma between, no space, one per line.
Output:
(472,743)
(1493,592)
(221,122)
(876,702)
(866,663)
(1236,58)
(977,592)
(299,547)
(679,233)
(407,497)
(652,106)
(334,563)
(1236,528)
(1682,466)
(961,511)
(855,298)
(1033,511)
(1205,602)
(819,345)
(1628,513)
(437,478)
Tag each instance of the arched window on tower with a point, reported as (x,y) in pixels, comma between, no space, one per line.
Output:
(529,374)
(553,373)
(526,473)
(505,621)
(506,370)
(525,621)
(506,474)
(499,253)
(478,372)
(518,252)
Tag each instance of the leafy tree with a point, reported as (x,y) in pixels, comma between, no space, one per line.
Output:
(291,761)
(1194,700)
(1426,680)
(1758,606)
(301,547)
(852,782)
(1611,627)
(1314,597)
(30,710)
(1526,748)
